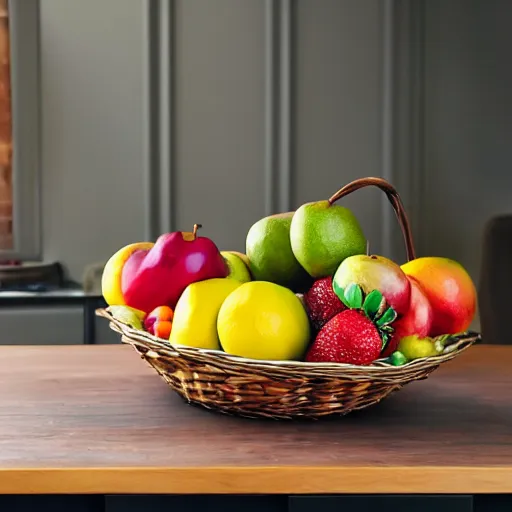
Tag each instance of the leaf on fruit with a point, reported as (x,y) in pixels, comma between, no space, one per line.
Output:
(385,338)
(388,317)
(340,292)
(372,303)
(354,296)
(387,328)
(397,359)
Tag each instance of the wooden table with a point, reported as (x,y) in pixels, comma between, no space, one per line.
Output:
(86,425)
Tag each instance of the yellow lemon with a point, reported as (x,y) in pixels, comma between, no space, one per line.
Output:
(263,320)
(195,315)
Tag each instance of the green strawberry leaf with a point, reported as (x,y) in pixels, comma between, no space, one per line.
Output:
(372,303)
(397,359)
(354,296)
(388,329)
(340,292)
(385,339)
(388,317)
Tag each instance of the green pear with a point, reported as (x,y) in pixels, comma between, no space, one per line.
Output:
(322,235)
(127,315)
(270,253)
(238,266)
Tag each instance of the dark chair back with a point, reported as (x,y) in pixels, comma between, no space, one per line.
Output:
(495,284)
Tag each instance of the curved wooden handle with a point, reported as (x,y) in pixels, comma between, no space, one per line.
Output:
(394,199)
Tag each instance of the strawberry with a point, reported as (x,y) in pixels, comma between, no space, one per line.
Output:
(349,337)
(322,303)
(356,335)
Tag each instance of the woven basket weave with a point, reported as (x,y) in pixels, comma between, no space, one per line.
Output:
(284,389)
(276,389)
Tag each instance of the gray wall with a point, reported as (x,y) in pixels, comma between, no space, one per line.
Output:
(93,110)
(468,124)
(329,115)
(93,137)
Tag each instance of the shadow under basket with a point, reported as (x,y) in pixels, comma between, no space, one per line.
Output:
(286,389)
(277,389)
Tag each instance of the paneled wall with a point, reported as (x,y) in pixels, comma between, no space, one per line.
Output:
(468,124)
(259,106)
(159,114)
(92,129)
(265,111)
(338,104)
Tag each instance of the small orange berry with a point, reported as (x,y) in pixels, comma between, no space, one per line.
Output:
(162,329)
(163,313)
(159,314)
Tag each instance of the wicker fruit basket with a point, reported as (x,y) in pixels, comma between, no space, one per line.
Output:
(249,388)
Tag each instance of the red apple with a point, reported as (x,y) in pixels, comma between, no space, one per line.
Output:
(418,320)
(158,276)
(375,273)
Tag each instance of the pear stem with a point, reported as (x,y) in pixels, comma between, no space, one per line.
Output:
(394,199)
(196,227)
(367,247)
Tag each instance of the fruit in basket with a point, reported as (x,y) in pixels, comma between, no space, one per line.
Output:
(350,337)
(450,291)
(417,320)
(322,235)
(375,273)
(111,278)
(270,253)
(195,315)
(417,347)
(238,266)
(263,320)
(322,303)
(162,329)
(159,322)
(356,335)
(158,276)
(127,315)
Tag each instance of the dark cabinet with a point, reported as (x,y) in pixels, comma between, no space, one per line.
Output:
(201,503)
(257,503)
(377,503)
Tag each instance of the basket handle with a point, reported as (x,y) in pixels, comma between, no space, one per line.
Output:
(394,199)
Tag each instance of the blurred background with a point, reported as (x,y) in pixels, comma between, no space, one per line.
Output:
(131,118)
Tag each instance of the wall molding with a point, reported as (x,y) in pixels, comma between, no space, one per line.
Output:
(278,105)
(158,114)
(26,132)
(403,118)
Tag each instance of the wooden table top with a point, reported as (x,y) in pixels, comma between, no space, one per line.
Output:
(98,419)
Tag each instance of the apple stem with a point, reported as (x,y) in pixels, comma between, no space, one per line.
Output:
(394,199)
(196,227)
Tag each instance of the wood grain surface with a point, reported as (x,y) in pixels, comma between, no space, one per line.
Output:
(97,419)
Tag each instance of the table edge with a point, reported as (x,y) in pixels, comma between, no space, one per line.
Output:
(259,480)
